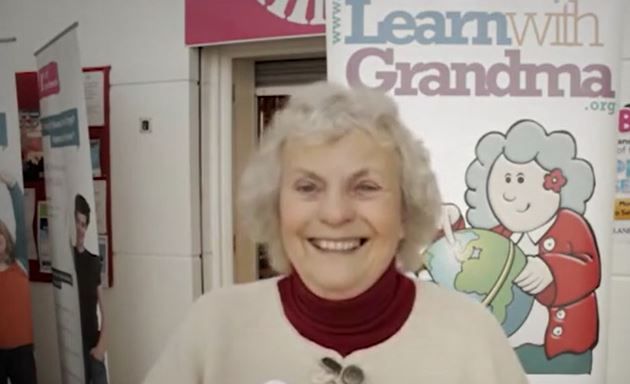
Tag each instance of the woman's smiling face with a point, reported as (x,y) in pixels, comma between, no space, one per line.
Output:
(340,212)
(517,196)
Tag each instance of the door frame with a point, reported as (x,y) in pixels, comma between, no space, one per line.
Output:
(217,97)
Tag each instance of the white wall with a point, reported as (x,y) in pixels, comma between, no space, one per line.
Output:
(155,182)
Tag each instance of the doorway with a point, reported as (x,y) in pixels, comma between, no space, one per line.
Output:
(242,86)
(275,81)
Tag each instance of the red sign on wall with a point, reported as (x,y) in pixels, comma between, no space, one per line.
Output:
(223,21)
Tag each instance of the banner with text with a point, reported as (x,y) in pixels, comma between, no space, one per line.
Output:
(211,22)
(71,210)
(516,102)
(622,201)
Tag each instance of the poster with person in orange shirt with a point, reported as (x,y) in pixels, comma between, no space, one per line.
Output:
(17,364)
(16,323)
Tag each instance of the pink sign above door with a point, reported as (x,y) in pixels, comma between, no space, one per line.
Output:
(210,22)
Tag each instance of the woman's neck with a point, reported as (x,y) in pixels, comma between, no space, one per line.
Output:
(352,324)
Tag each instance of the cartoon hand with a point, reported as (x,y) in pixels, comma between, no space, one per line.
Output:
(535,277)
(450,215)
(424,275)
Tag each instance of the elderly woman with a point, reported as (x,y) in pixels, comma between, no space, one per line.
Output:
(16,325)
(344,196)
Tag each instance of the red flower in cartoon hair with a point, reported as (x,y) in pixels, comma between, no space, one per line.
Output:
(555,180)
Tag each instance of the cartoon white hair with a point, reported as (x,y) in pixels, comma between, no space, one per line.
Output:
(526,141)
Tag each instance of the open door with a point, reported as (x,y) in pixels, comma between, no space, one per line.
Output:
(262,87)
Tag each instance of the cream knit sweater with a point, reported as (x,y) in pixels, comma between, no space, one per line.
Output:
(240,335)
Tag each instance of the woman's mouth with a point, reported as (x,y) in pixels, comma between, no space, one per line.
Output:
(338,245)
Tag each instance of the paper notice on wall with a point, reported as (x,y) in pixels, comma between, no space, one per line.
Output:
(103,249)
(100,200)
(94,83)
(95,154)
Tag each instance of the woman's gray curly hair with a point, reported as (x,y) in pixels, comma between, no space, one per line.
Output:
(328,112)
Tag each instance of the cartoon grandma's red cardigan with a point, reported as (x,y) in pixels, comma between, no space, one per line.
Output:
(569,249)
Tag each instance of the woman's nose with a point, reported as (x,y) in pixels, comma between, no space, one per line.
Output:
(336,208)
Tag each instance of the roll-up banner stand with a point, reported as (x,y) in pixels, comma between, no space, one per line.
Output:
(517,103)
(70,191)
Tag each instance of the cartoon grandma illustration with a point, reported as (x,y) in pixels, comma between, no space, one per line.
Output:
(530,187)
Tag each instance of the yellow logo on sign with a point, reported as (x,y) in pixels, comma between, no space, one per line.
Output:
(622,209)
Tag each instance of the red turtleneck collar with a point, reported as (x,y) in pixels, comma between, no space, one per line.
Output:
(349,325)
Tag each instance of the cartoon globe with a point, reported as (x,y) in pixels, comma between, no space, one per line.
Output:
(483,265)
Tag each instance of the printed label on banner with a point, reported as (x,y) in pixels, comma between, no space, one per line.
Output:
(514,75)
(623,154)
(622,201)
(4,139)
(622,209)
(62,128)
(624,119)
(48,80)
(622,230)
(623,167)
(61,277)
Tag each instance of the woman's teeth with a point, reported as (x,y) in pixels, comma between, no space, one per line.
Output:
(336,245)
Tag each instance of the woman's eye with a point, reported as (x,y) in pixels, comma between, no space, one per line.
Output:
(368,187)
(508,179)
(520,179)
(306,187)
